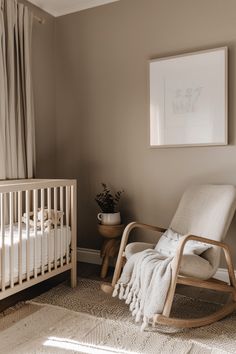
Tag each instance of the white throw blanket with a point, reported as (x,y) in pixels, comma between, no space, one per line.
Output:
(144,284)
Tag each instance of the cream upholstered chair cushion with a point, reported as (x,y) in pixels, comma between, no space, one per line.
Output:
(135,247)
(204,210)
(191,265)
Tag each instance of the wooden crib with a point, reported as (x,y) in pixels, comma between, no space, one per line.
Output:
(37,232)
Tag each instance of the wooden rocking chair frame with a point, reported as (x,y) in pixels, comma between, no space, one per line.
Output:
(211,283)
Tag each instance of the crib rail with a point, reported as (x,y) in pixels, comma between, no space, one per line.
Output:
(37,232)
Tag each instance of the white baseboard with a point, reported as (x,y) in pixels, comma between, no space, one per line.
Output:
(222,274)
(92,256)
(87,255)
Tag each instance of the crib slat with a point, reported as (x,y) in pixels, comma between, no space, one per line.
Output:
(15,207)
(2,202)
(35,203)
(20,236)
(67,222)
(11,211)
(61,233)
(49,227)
(55,227)
(42,230)
(27,203)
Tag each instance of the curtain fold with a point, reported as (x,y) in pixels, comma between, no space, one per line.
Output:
(17,126)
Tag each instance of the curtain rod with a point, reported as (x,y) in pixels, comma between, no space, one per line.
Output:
(40,20)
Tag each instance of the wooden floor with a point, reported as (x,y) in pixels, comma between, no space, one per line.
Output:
(92,271)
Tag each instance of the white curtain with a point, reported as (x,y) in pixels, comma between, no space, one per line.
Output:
(17,127)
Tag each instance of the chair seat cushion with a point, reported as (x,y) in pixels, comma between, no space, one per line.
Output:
(136,247)
(196,266)
(192,265)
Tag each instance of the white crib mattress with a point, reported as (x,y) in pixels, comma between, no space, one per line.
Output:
(63,237)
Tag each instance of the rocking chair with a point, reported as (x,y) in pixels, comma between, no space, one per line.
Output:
(204,214)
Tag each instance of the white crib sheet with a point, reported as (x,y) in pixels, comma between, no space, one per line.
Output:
(63,237)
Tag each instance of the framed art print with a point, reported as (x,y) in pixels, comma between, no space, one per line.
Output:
(188,99)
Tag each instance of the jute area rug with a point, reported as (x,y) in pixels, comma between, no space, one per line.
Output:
(85,320)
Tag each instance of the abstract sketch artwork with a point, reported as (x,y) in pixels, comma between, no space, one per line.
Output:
(185,101)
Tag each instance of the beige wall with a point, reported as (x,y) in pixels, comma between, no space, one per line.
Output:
(102,105)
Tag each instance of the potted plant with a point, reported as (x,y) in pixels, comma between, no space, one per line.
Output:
(108,204)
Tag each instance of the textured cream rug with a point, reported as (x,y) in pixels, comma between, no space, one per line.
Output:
(85,320)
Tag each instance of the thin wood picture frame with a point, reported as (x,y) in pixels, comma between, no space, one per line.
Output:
(189,99)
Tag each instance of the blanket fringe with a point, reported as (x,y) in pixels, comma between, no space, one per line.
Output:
(133,299)
(129,298)
(122,290)
(136,307)
(115,291)
(144,324)
(133,303)
(138,316)
(126,292)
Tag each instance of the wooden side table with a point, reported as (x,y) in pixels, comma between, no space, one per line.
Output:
(111,244)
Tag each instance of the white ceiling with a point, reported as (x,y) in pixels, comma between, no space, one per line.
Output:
(63,7)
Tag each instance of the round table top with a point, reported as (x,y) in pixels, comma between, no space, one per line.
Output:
(111,231)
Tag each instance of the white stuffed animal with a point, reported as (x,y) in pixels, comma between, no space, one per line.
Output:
(50,218)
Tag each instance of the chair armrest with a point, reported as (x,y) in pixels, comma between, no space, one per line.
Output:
(187,238)
(134,225)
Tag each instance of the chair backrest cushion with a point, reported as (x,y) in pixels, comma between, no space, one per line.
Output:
(207,211)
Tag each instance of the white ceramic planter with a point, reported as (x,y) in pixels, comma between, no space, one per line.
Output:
(109,218)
